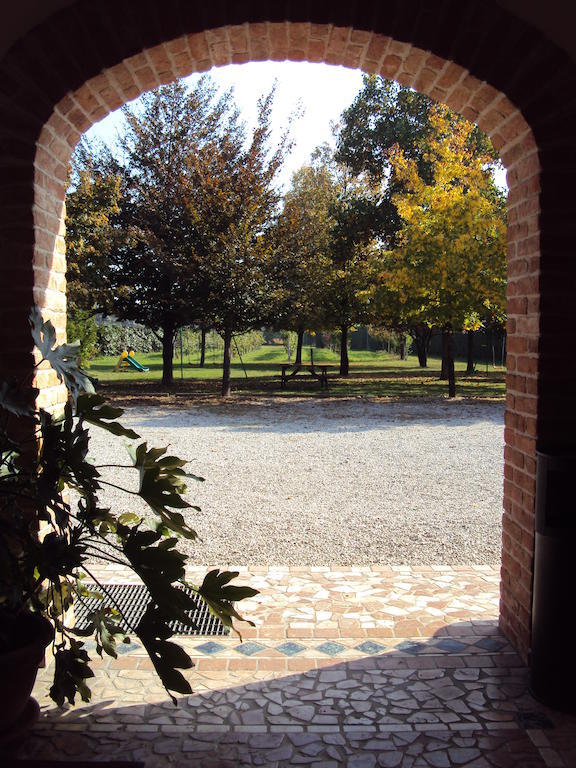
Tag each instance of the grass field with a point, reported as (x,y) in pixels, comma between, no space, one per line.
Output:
(372,374)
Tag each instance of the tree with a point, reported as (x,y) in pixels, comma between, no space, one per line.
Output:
(92,204)
(324,249)
(154,273)
(383,117)
(450,265)
(301,248)
(353,258)
(231,205)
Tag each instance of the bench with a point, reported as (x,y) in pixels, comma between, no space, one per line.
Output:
(319,372)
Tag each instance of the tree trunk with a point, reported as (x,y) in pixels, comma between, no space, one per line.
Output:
(344,362)
(226,364)
(298,359)
(450,361)
(167,353)
(470,353)
(202,347)
(444,369)
(421,352)
(319,340)
(422,335)
(402,346)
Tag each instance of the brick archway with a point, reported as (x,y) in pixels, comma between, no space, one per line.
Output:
(51,92)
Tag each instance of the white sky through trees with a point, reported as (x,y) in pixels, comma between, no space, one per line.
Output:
(319,92)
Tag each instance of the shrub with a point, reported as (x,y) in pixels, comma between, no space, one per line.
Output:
(81,327)
(113,337)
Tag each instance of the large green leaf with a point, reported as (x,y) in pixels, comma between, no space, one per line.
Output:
(151,561)
(62,358)
(16,400)
(220,596)
(71,671)
(162,486)
(94,409)
(167,658)
(106,629)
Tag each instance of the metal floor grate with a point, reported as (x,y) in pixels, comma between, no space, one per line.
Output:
(133,600)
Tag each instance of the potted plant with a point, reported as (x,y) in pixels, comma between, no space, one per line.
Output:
(47,542)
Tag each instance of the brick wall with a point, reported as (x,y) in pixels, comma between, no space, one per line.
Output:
(92,58)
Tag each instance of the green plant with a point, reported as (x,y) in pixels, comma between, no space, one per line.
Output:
(81,326)
(42,456)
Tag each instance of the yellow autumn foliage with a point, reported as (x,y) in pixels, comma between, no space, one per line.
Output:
(450,267)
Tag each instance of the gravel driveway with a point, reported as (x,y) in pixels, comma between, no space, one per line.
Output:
(332,482)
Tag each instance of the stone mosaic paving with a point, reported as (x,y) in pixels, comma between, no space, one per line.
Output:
(358,667)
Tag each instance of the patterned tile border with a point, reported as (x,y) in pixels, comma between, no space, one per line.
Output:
(351,647)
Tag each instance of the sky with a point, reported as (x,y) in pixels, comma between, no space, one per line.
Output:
(320,91)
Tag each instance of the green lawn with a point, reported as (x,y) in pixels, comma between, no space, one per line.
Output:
(374,374)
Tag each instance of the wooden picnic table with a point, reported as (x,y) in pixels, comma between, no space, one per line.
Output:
(318,370)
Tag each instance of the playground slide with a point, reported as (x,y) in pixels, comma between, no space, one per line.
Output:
(135,364)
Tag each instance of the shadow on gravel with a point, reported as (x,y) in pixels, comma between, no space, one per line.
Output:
(332,416)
